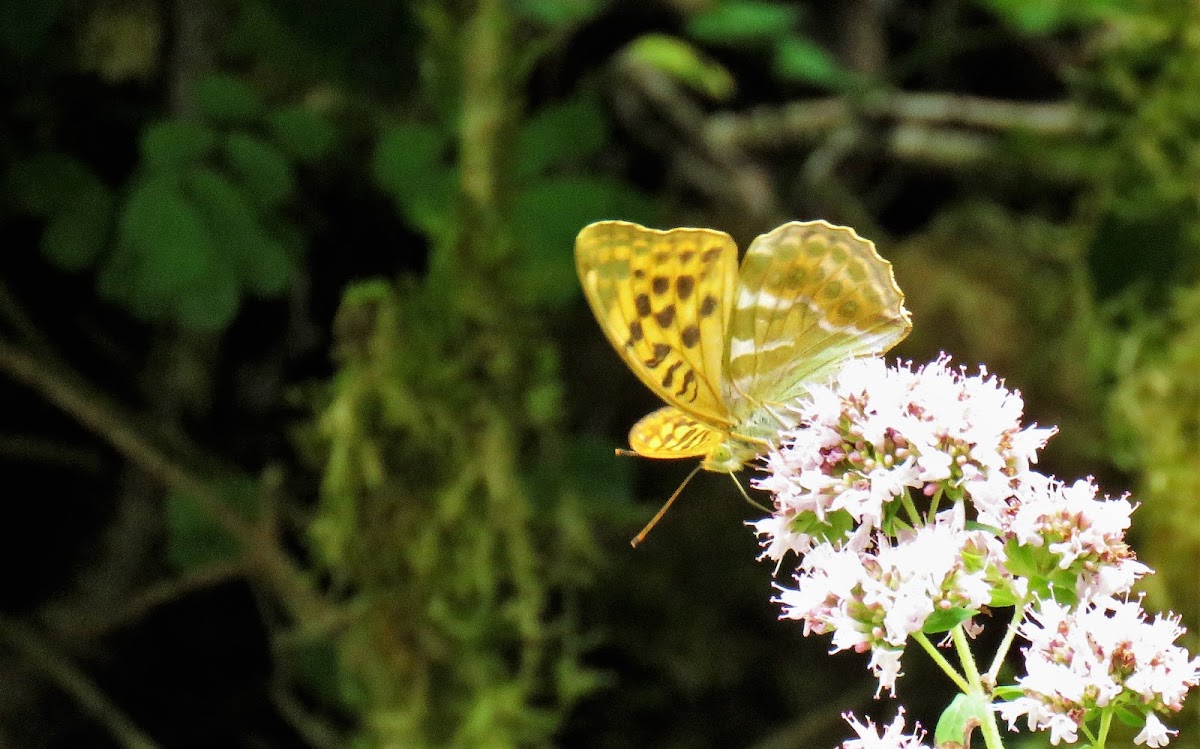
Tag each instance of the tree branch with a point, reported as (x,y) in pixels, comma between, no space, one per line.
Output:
(807,121)
(106,419)
(74,682)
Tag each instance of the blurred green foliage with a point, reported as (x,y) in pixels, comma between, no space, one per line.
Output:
(438,550)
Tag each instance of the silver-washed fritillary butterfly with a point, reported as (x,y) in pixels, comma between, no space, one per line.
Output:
(726,349)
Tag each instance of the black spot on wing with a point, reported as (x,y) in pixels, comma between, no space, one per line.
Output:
(669,378)
(659,354)
(688,384)
(642,304)
(690,336)
(684,285)
(635,333)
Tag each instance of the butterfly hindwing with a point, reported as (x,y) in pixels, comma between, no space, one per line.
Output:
(810,296)
(670,433)
(663,299)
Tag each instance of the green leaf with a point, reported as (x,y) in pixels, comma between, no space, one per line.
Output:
(964,714)
(743,22)
(1130,717)
(173,144)
(194,538)
(43,184)
(76,235)
(564,132)
(405,157)
(260,167)
(258,261)
(546,218)
(228,100)
(170,252)
(1020,559)
(944,621)
(799,60)
(1002,598)
(675,57)
(558,13)
(314,663)
(213,302)
(408,165)
(1044,17)
(1010,692)
(301,133)
(832,529)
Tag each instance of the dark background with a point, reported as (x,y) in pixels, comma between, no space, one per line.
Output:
(308,431)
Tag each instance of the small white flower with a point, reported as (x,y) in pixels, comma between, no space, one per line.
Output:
(1155,734)
(893,736)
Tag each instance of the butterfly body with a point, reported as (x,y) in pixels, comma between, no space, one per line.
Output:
(725,348)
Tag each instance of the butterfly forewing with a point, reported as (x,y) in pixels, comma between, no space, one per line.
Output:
(670,433)
(663,299)
(810,296)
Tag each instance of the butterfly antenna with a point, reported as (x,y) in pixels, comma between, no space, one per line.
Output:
(746,496)
(663,510)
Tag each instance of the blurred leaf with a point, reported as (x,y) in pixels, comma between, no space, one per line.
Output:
(408,165)
(228,100)
(260,167)
(560,133)
(407,153)
(120,41)
(24,23)
(1047,16)
(43,184)
(799,60)
(558,13)
(194,539)
(212,303)
(258,261)
(314,663)
(300,133)
(546,218)
(169,269)
(743,22)
(76,235)
(680,60)
(172,144)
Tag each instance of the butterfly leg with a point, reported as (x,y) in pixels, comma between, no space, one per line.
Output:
(641,536)
(745,495)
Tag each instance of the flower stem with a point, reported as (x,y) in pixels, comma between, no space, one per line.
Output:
(933,503)
(963,648)
(1105,723)
(988,726)
(911,508)
(940,659)
(1009,635)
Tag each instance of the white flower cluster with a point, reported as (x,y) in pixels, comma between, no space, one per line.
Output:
(909,498)
(1080,659)
(874,598)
